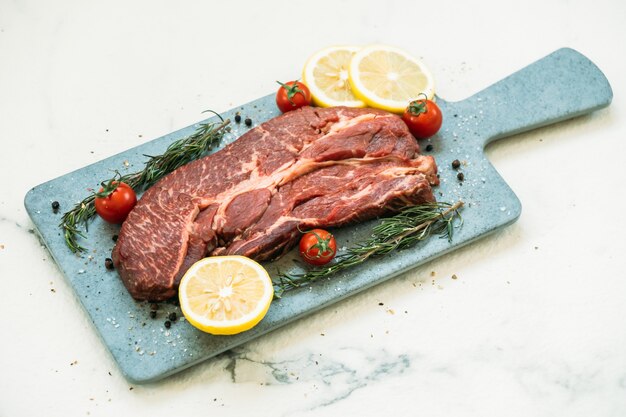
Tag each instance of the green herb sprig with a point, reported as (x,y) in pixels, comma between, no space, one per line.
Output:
(177,154)
(402,230)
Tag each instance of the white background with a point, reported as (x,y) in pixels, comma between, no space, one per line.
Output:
(534,325)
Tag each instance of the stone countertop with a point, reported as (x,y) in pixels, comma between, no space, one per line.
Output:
(527,321)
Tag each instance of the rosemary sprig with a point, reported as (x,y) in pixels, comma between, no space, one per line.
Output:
(177,154)
(402,230)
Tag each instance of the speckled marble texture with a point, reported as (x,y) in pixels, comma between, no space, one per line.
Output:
(525,321)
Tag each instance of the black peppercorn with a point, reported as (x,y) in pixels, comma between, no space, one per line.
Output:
(55,206)
(238,118)
(460,176)
(248,121)
(114,237)
(429,147)
(172,316)
(108,263)
(456,163)
(167,324)
(153,314)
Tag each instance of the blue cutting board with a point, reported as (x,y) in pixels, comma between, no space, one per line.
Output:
(560,86)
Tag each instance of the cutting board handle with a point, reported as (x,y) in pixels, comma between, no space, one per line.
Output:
(563,85)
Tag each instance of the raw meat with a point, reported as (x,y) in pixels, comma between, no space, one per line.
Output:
(308,168)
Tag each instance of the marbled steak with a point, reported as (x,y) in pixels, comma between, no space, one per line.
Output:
(311,167)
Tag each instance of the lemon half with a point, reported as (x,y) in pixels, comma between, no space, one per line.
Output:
(388,78)
(225,294)
(326,75)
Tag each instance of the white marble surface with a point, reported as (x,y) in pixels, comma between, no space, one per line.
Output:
(534,324)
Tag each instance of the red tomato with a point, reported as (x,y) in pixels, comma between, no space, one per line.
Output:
(318,247)
(423,117)
(114,201)
(292,95)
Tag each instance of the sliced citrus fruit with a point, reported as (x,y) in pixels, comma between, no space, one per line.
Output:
(225,294)
(326,75)
(389,78)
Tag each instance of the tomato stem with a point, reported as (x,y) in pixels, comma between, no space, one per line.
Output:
(322,246)
(292,90)
(109,187)
(417,107)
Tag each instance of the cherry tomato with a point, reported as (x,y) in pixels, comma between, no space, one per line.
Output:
(292,95)
(423,117)
(318,247)
(114,201)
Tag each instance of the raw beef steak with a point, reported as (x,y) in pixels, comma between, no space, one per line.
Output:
(308,168)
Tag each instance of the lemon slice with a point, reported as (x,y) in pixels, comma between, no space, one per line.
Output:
(389,78)
(326,75)
(225,294)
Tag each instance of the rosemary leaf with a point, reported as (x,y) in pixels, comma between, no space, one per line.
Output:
(400,231)
(177,154)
